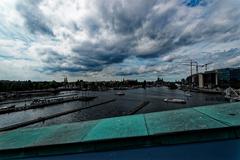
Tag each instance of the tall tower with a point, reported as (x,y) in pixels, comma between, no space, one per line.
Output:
(65,80)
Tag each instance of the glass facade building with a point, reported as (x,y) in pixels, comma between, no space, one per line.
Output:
(229,77)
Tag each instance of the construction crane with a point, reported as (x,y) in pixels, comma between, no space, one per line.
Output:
(192,64)
(195,63)
(206,65)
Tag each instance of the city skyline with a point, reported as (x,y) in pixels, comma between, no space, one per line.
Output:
(115,39)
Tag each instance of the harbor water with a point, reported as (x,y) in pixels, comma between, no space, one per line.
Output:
(120,107)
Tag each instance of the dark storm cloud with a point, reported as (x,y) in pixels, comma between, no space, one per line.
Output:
(35,21)
(228,58)
(124,73)
(57,62)
(124,17)
(148,69)
(52,56)
(96,60)
(81,61)
(115,30)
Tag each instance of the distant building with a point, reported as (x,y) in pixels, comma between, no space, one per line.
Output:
(222,78)
(65,80)
(159,81)
(130,82)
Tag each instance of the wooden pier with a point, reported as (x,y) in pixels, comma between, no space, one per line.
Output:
(137,108)
(46,102)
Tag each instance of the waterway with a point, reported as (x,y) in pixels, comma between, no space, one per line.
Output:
(120,107)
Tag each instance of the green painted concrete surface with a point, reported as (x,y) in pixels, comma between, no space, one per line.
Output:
(112,128)
(226,113)
(179,120)
(140,127)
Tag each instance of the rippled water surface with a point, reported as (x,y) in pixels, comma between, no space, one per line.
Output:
(121,106)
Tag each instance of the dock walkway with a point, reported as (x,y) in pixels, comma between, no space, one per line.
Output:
(46,102)
(30,99)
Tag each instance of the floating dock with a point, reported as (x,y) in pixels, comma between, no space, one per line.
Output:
(27,100)
(46,102)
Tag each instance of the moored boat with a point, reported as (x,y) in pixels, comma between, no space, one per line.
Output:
(188,94)
(7,108)
(120,93)
(172,86)
(174,100)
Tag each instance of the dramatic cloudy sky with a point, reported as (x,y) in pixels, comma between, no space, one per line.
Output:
(115,39)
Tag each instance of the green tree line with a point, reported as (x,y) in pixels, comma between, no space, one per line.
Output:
(6,86)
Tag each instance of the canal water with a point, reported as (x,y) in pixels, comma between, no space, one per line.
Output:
(120,107)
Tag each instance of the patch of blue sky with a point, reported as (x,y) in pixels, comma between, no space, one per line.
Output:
(5,56)
(15,33)
(194,3)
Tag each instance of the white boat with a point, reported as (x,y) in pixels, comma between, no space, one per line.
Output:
(174,100)
(120,93)
(188,94)
(7,108)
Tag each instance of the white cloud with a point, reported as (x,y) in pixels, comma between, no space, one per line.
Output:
(234,61)
(89,37)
